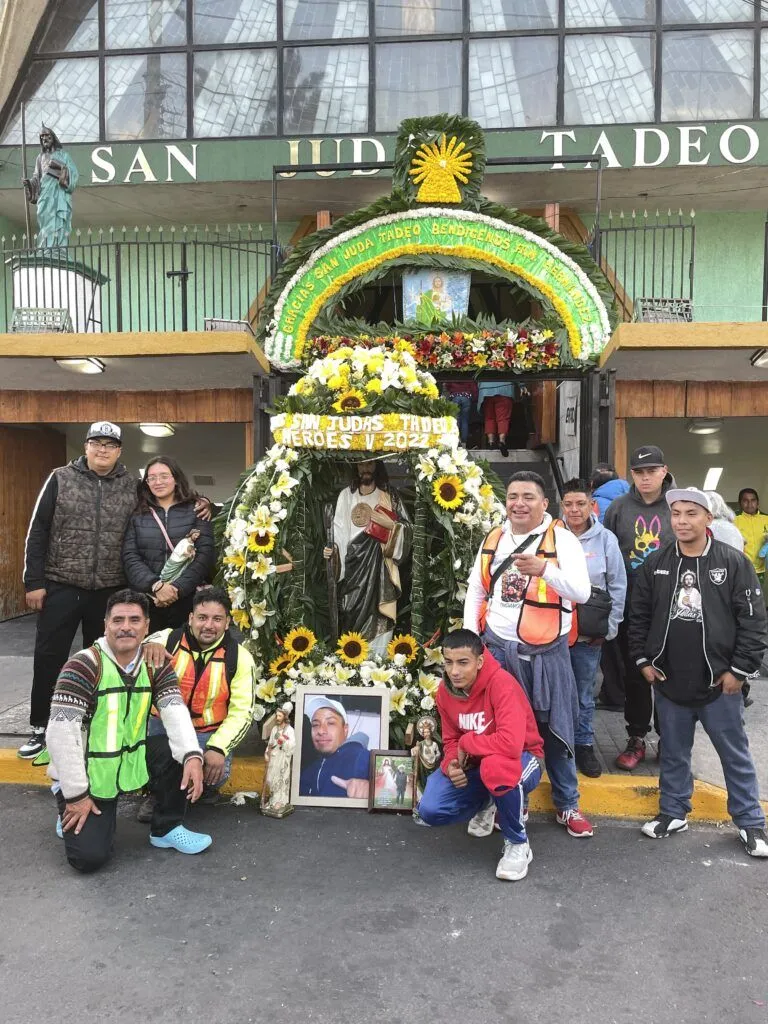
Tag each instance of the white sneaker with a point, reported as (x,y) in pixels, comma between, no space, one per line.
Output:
(755,841)
(514,862)
(482,824)
(663,826)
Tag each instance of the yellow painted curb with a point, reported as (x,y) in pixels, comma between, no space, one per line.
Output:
(611,796)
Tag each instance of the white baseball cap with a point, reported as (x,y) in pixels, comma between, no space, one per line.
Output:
(688,494)
(314,703)
(105,429)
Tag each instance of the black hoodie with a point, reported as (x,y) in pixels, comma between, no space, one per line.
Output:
(640,528)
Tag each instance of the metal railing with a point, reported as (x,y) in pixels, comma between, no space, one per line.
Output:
(647,257)
(167,279)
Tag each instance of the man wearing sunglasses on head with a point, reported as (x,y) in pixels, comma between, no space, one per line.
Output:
(73,560)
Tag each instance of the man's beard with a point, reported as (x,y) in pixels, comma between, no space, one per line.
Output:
(366,478)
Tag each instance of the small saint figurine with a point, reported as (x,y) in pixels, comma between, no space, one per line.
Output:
(426,753)
(278,756)
(50,190)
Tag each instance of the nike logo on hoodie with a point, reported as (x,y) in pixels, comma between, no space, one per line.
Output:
(474,722)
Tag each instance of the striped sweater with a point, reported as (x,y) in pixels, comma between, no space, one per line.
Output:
(73,705)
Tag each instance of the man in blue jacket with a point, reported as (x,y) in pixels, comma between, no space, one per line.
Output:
(341,767)
(606,572)
(606,484)
(697,629)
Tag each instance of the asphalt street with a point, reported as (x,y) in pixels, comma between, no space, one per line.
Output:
(341,917)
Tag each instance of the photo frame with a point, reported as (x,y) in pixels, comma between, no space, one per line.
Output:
(336,729)
(392,782)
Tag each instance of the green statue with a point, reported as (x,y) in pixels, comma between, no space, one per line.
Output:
(50,189)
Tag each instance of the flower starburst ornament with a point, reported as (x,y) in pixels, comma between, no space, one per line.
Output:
(437,167)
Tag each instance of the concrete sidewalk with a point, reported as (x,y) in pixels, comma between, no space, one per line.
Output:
(617,793)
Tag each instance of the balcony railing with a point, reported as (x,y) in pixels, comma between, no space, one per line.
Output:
(649,261)
(171,279)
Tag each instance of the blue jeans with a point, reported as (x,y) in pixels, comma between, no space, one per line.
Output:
(156,728)
(561,767)
(723,723)
(584,661)
(464,403)
(445,804)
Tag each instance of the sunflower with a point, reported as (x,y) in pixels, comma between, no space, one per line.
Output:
(353,648)
(262,542)
(299,642)
(281,664)
(349,401)
(448,492)
(405,644)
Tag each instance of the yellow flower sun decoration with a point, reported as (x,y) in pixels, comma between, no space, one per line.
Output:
(436,168)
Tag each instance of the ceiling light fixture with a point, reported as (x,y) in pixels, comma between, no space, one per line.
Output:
(704,426)
(86,364)
(712,479)
(760,358)
(157,429)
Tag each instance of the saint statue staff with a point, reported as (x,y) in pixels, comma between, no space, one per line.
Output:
(24,172)
(330,571)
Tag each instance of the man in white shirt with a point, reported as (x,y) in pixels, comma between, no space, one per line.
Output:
(526,578)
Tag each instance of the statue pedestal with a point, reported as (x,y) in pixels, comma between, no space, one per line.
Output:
(46,280)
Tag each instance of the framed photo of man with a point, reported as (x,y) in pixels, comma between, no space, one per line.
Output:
(337,727)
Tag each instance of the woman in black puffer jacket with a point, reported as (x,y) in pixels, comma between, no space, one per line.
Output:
(164,493)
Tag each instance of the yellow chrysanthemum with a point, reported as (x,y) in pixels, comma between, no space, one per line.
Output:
(448,492)
(405,644)
(299,642)
(339,381)
(281,664)
(240,618)
(263,542)
(403,345)
(349,401)
(374,386)
(353,648)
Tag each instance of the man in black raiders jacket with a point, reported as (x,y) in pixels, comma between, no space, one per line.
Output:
(697,629)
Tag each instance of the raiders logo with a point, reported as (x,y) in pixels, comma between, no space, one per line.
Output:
(718,576)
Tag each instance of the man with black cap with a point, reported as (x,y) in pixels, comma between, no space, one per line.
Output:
(72,560)
(697,629)
(641,522)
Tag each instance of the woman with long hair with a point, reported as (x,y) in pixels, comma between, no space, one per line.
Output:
(167,511)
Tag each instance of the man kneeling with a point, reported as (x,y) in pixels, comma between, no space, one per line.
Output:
(217,679)
(491,748)
(105,692)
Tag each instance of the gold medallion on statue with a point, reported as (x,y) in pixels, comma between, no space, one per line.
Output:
(361,515)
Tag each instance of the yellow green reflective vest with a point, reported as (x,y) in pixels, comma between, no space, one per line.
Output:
(115,755)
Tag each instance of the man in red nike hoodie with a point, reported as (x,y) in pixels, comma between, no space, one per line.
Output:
(491,747)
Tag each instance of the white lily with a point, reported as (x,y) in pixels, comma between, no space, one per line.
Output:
(382,675)
(433,655)
(261,567)
(284,484)
(259,612)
